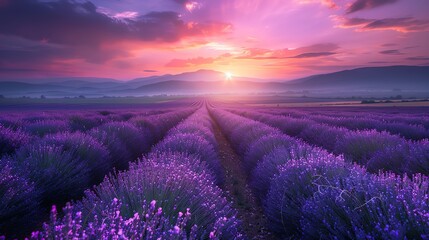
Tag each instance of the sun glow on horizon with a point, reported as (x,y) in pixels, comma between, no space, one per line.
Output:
(228,76)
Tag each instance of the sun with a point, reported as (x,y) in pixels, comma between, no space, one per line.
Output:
(228,76)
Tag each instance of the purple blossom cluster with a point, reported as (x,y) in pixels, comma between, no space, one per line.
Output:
(150,223)
(309,193)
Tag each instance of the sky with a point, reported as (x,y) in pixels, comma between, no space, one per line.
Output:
(270,39)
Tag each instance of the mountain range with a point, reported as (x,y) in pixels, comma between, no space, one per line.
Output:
(369,79)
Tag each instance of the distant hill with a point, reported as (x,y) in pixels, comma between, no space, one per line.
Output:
(369,78)
(354,82)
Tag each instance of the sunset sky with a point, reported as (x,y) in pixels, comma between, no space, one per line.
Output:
(273,39)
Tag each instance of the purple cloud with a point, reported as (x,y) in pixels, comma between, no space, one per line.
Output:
(313,55)
(407,24)
(391,52)
(317,50)
(79,23)
(359,5)
(419,58)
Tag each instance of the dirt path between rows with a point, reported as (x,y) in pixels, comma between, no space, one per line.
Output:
(238,191)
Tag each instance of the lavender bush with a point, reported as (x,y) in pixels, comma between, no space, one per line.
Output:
(192,162)
(191,127)
(295,184)
(418,159)
(194,145)
(83,123)
(130,135)
(19,200)
(158,125)
(268,167)
(11,121)
(360,146)
(124,141)
(369,207)
(174,187)
(86,149)
(10,140)
(265,145)
(323,136)
(43,127)
(58,175)
(245,134)
(119,154)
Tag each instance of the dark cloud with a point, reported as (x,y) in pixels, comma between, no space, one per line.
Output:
(150,71)
(391,52)
(380,62)
(78,23)
(419,58)
(359,5)
(16,70)
(41,35)
(313,55)
(62,22)
(30,51)
(180,1)
(407,24)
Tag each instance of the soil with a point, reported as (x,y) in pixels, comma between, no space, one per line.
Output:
(238,192)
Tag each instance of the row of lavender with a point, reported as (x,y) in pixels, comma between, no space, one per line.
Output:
(169,194)
(308,193)
(413,115)
(18,129)
(414,128)
(374,150)
(58,167)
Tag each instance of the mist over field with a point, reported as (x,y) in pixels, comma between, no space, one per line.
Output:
(226,119)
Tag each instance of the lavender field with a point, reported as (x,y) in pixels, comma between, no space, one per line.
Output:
(207,169)
(214,119)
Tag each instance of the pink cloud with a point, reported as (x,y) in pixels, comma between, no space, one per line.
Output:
(126,15)
(328,3)
(313,51)
(359,5)
(407,24)
(190,62)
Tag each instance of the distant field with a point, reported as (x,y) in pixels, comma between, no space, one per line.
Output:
(10,104)
(18,104)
